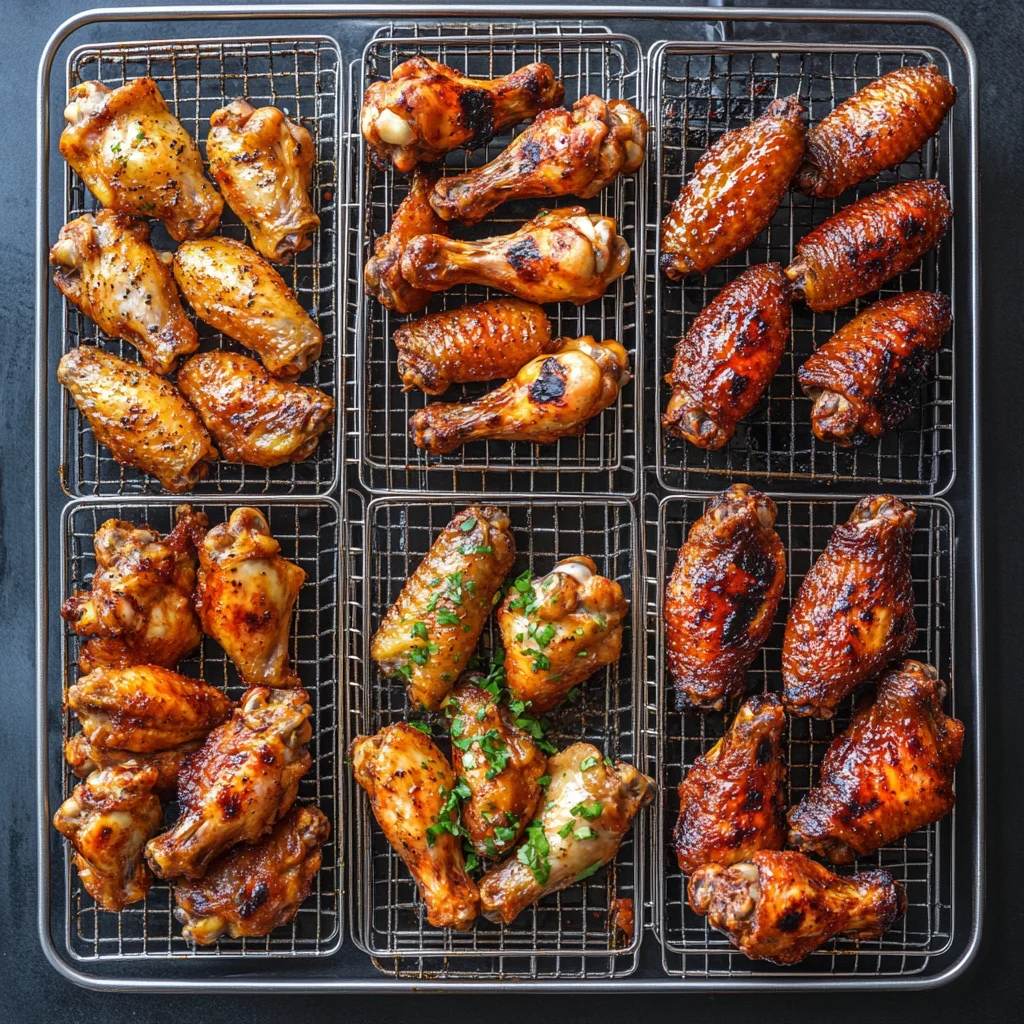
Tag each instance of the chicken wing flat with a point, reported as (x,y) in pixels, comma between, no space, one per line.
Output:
(107,268)
(781,906)
(430,632)
(728,357)
(427,109)
(722,597)
(866,379)
(875,129)
(84,758)
(135,157)
(734,191)
(854,613)
(565,255)
(236,291)
(887,775)
(140,417)
(864,245)
(412,791)
(263,163)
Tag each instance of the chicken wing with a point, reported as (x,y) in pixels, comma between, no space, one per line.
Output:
(728,357)
(135,157)
(427,109)
(865,380)
(263,163)
(237,292)
(414,797)
(589,807)
(565,255)
(84,758)
(245,596)
(140,417)
(734,191)
(551,397)
(238,783)
(854,613)
(722,597)
(430,632)
(889,774)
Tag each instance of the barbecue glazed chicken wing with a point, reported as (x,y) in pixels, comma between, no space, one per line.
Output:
(412,794)
(263,163)
(432,629)
(780,906)
(887,775)
(84,758)
(563,153)
(565,255)
(107,268)
(722,597)
(734,191)
(136,158)
(427,109)
(854,613)
(589,807)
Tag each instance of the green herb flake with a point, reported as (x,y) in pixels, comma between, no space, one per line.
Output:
(585,832)
(447,618)
(589,811)
(534,852)
(424,727)
(419,630)
(544,780)
(468,524)
(567,828)
(588,871)
(589,762)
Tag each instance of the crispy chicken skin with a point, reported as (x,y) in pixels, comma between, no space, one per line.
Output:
(875,129)
(866,380)
(410,783)
(854,613)
(728,357)
(550,397)
(563,153)
(84,758)
(780,906)
(864,245)
(107,268)
(732,801)
(263,163)
(589,807)
(565,255)
(235,290)
(241,781)
(140,417)
(734,191)
(427,109)
(424,638)
(137,159)
(887,775)
(254,417)
(721,598)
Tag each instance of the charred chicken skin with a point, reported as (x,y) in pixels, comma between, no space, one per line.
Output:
(84,758)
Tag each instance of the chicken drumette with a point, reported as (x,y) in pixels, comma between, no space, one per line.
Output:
(84,758)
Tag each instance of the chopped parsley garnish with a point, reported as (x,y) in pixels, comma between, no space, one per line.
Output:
(544,635)
(419,630)
(490,848)
(447,618)
(589,762)
(567,828)
(588,871)
(534,852)
(573,695)
(481,714)
(424,727)
(526,598)
(448,816)
(544,780)
(496,753)
(582,654)
(540,660)
(608,761)
(468,524)
(504,835)
(476,549)
(472,862)
(585,832)
(589,811)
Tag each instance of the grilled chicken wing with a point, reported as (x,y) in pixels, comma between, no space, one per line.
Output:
(245,596)
(781,906)
(411,787)
(136,158)
(263,163)
(237,292)
(854,613)
(139,416)
(875,129)
(728,357)
(864,245)
(889,774)
(734,191)
(238,783)
(722,597)
(565,255)
(84,758)
(433,627)
(865,380)
(427,109)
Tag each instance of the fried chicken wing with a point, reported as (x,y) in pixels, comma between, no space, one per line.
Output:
(722,597)
(854,613)
(84,758)
(136,158)
(429,633)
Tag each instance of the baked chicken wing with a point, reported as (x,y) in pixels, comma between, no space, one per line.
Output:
(84,758)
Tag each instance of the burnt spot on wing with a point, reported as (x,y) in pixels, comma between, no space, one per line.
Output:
(477,117)
(259,895)
(531,152)
(550,385)
(523,257)
(759,568)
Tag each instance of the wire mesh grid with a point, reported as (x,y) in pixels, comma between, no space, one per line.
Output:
(196,77)
(697,97)
(309,534)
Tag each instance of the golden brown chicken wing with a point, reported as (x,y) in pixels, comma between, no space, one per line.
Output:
(84,758)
